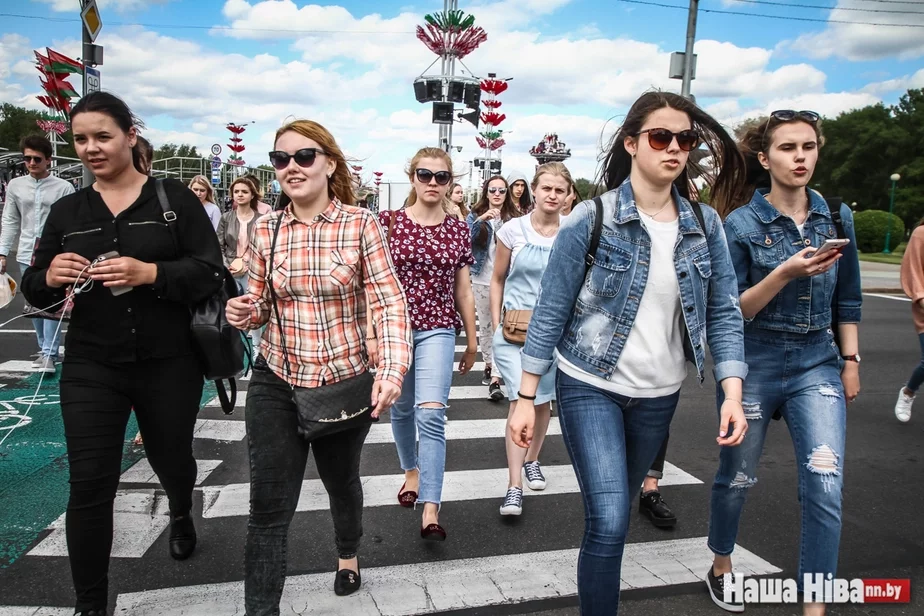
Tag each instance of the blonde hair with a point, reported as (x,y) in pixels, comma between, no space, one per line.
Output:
(423,153)
(340,183)
(209,193)
(553,168)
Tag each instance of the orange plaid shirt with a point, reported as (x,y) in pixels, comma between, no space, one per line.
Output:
(323,272)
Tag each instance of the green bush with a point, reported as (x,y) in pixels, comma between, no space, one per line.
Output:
(871,228)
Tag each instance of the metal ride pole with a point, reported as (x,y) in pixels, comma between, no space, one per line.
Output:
(688,52)
(88,177)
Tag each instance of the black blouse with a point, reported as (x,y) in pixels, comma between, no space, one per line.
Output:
(151,321)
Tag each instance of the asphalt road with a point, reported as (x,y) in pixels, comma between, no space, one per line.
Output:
(882,536)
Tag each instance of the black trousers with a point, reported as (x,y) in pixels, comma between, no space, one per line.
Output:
(96,400)
(278,456)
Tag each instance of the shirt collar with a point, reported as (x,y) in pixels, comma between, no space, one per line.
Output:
(627,210)
(767,213)
(334,209)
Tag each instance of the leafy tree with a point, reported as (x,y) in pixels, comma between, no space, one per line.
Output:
(18,122)
(588,189)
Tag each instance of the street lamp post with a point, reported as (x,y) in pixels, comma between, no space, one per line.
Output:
(895,178)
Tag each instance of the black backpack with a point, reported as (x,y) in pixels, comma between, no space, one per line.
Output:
(221,348)
(598,230)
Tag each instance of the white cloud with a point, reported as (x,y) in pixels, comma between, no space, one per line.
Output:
(901,84)
(858,42)
(13,47)
(828,104)
(67,6)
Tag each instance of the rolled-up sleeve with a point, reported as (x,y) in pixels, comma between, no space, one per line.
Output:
(388,303)
(849,288)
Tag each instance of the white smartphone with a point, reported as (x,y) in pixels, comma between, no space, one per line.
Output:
(830,245)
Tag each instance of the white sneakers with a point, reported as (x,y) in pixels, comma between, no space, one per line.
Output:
(903,406)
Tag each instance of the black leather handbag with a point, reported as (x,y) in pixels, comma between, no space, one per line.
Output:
(220,347)
(330,408)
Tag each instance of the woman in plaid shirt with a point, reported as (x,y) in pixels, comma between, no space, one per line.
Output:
(328,258)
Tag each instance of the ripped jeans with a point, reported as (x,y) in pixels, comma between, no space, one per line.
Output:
(427,381)
(799,375)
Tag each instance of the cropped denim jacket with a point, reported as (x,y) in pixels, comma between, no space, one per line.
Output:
(588,318)
(760,239)
(479,252)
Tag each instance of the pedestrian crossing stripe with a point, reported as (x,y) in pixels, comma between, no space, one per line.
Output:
(440,586)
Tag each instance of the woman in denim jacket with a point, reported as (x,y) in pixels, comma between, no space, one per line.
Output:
(797,370)
(660,286)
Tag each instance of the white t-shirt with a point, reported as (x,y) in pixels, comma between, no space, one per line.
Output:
(513,236)
(487,270)
(652,363)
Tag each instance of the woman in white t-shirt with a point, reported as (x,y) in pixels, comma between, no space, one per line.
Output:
(523,248)
(493,209)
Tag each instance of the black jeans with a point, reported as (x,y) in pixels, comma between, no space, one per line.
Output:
(96,400)
(657,467)
(278,456)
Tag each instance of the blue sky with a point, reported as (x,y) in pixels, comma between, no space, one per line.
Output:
(576,65)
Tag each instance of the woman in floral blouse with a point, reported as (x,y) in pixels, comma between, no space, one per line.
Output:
(432,253)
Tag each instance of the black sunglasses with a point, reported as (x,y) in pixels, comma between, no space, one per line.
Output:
(425,175)
(303,158)
(33,159)
(661,138)
(788,115)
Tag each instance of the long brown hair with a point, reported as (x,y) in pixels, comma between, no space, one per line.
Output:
(757,139)
(340,183)
(727,187)
(254,199)
(423,153)
(508,209)
(462,208)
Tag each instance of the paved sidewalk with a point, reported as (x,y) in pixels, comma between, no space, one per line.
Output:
(880,277)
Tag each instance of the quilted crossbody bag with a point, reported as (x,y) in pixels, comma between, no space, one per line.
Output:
(327,409)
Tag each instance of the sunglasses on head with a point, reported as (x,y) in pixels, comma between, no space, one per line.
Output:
(34,159)
(661,138)
(425,175)
(788,115)
(499,191)
(303,158)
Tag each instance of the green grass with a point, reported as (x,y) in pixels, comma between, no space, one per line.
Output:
(877,257)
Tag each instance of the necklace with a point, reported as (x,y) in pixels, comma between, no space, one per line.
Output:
(551,231)
(803,211)
(430,235)
(653,216)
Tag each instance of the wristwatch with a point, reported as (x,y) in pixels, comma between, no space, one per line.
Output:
(855,357)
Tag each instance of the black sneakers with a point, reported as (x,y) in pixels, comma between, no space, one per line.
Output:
(653,507)
(494,391)
(486,378)
(716,585)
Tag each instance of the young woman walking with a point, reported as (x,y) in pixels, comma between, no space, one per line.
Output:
(912,277)
(493,209)
(657,288)
(786,285)
(328,260)
(235,229)
(523,248)
(128,342)
(432,253)
(200,185)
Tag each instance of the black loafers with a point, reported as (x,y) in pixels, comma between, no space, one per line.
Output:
(652,506)
(347,582)
(182,536)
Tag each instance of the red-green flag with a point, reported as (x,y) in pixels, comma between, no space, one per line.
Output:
(60,87)
(59,63)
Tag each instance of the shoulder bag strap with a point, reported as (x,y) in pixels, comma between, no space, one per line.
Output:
(269,281)
(595,236)
(169,215)
(698,212)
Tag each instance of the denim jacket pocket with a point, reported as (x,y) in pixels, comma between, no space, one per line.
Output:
(608,271)
(704,268)
(767,248)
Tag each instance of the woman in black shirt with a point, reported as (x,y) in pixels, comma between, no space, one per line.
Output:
(128,343)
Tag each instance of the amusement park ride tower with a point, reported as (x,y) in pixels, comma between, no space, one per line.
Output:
(550,149)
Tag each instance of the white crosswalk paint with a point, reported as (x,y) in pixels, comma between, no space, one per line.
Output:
(381,490)
(31,610)
(426,588)
(141,471)
(220,429)
(140,516)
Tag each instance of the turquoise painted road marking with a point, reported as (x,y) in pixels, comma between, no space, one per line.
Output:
(33,463)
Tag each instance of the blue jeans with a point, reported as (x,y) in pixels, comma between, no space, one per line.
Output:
(47,331)
(917,377)
(799,375)
(612,441)
(428,380)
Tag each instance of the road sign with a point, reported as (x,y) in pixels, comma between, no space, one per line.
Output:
(92,22)
(216,175)
(216,149)
(93,80)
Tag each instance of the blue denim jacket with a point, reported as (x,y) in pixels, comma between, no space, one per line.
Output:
(588,319)
(760,239)
(479,252)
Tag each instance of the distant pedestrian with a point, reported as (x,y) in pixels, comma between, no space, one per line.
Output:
(28,203)
(912,277)
(200,185)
